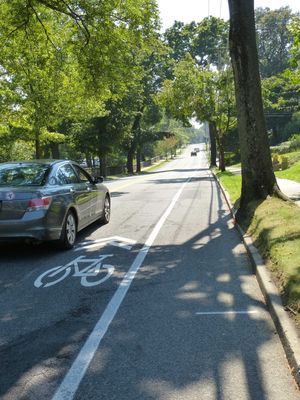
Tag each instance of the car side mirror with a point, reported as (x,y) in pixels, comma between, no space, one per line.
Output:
(98,179)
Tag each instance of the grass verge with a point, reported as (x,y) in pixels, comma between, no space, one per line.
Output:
(292,173)
(155,166)
(147,169)
(232,183)
(274,226)
(292,156)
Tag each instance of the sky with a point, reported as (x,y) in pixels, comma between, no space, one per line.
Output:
(195,10)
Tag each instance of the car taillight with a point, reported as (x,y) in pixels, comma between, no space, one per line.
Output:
(39,203)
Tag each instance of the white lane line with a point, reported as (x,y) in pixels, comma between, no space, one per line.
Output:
(70,383)
(226,312)
(117,241)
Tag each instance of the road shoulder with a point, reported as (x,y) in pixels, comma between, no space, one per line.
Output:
(285,326)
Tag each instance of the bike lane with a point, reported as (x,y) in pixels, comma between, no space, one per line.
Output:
(160,344)
(45,319)
(194,324)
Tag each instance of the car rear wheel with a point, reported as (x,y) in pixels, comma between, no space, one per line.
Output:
(69,232)
(106,211)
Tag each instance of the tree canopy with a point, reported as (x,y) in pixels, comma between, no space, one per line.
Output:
(274,39)
(86,79)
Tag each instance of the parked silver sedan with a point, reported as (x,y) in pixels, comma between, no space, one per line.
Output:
(50,200)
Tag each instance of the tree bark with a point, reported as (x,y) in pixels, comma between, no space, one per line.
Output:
(213,145)
(258,179)
(89,160)
(129,165)
(38,150)
(138,160)
(136,130)
(55,150)
(221,148)
(103,166)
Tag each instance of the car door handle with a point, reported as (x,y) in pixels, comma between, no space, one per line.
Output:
(72,190)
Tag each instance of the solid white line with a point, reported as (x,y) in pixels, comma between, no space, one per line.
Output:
(226,312)
(70,383)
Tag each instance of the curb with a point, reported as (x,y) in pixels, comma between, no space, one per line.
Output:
(284,324)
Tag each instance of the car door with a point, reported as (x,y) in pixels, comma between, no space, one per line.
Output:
(80,194)
(91,188)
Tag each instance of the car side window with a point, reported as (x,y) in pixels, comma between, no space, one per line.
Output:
(66,175)
(82,174)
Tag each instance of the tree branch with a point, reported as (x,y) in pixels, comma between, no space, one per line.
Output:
(17,28)
(67,10)
(43,26)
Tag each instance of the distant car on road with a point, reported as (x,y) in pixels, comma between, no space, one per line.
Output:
(50,200)
(196,149)
(193,153)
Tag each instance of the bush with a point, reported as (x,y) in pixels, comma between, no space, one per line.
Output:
(232,158)
(286,147)
(280,162)
(292,126)
(281,148)
(284,162)
(295,142)
(276,162)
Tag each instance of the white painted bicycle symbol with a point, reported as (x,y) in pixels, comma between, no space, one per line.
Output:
(88,274)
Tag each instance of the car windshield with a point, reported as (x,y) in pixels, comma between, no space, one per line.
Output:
(23,174)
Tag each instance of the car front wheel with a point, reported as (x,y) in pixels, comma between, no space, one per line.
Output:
(106,211)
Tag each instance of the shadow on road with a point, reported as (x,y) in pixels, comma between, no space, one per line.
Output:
(158,347)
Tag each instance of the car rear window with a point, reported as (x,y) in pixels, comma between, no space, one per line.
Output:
(23,174)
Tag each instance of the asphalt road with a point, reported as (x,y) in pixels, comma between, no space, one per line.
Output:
(160,304)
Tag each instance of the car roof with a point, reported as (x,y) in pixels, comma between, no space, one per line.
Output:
(49,162)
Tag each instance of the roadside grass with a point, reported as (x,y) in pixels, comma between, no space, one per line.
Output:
(144,170)
(238,165)
(232,183)
(153,167)
(292,156)
(274,226)
(292,172)
(114,177)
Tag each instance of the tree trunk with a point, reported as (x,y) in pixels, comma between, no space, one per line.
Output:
(103,166)
(55,150)
(258,179)
(129,165)
(88,160)
(138,160)
(37,145)
(221,149)
(213,146)
(136,130)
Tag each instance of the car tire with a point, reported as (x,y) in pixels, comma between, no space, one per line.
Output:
(69,232)
(106,211)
